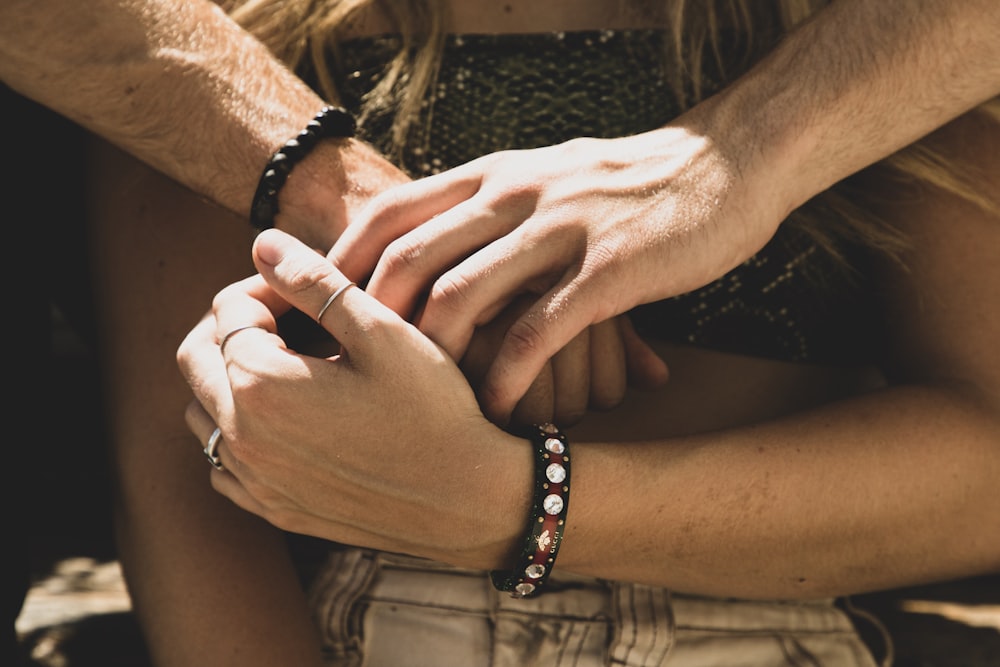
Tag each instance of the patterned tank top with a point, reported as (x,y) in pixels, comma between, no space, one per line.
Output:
(791,301)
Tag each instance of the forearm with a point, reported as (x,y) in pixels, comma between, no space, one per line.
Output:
(204,106)
(185,89)
(857,82)
(870,493)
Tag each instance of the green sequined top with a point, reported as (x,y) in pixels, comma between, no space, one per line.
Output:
(498,92)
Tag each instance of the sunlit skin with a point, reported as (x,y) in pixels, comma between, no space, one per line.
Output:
(202,569)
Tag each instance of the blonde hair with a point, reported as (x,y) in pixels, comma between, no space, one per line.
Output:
(307,33)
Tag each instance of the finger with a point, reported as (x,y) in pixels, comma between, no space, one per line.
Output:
(473,292)
(571,379)
(537,405)
(202,425)
(204,369)
(608,373)
(312,284)
(545,327)
(646,370)
(394,213)
(411,263)
(245,308)
(227,480)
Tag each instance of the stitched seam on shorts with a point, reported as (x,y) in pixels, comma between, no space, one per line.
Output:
(403,602)
(771,632)
(652,634)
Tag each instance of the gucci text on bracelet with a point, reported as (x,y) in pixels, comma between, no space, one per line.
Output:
(548,516)
(330,122)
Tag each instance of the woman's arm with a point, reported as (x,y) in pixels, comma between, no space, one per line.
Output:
(210,584)
(892,487)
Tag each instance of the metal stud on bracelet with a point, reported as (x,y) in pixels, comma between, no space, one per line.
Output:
(548,516)
(330,122)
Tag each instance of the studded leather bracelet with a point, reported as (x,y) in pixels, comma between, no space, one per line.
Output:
(548,516)
(330,122)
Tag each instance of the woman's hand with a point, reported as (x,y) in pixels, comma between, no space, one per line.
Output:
(590,373)
(383,445)
(590,227)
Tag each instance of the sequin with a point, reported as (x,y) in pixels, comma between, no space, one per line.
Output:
(792,301)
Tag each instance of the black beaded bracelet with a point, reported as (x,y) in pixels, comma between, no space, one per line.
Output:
(330,122)
(548,516)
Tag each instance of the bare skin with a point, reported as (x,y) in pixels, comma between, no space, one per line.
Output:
(694,195)
(203,595)
(193,561)
(162,251)
(741,477)
(146,53)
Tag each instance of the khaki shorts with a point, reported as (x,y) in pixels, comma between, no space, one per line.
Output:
(382,610)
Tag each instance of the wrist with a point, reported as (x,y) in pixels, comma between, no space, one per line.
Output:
(492,522)
(329,122)
(762,148)
(542,539)
(329,188)
(311,204)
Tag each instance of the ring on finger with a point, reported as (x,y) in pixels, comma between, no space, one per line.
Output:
(333,297)
(212,449)
(233,332)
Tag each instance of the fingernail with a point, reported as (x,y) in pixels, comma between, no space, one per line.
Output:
(267,248)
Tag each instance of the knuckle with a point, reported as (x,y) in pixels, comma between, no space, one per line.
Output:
(401,255)
(248,389)
(519,199)
(449,293)
(383,204)
(386,205)
(490,162)
(524,339)
(499,396)
(302,279)
(223,295)
(184,355)
(601,257)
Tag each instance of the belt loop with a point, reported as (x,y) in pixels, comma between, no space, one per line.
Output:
(344,577)
(645,627)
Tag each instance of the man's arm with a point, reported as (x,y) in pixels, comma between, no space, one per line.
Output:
(856,82)
(181,86)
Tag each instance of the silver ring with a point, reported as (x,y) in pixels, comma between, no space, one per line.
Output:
(333,297)
(212,449)
(225,339)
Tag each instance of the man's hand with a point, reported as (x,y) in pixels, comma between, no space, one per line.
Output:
(584,230)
